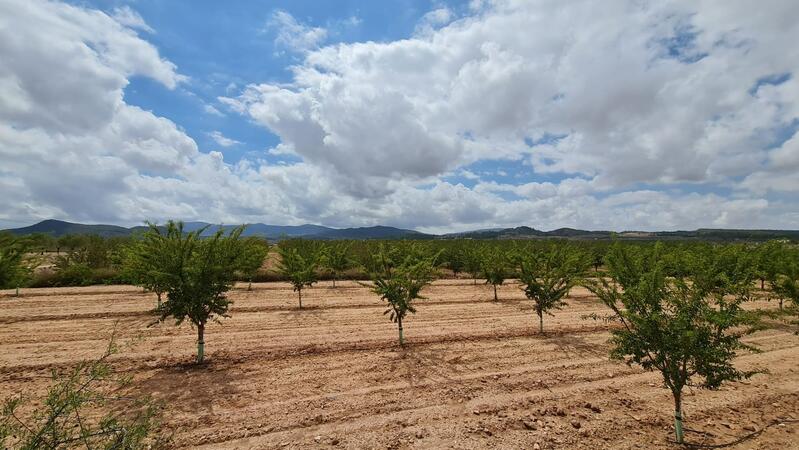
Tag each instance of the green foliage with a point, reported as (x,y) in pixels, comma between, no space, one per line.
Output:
(299,268)
(767,259)
(143,263)
(336,259)
(455,257)
(84,407)
(473,261)
(688,329)
(786,282)
(13,268)
(495,267)
(402,284)
(254,251)
(547,278)
(196,274)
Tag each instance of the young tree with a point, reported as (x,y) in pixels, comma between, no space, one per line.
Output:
(547,279)
(298,268)
(402,285)
(473,262)
(254,251)
(767,257)
(454,256)
(336,258)
(786,285)
(13,269)
(675,326)
(198,273)
(495,268)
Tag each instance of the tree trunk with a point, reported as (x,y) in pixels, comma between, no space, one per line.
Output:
(762,284)
(540,322)
(159,299)
(399,327)
(678,418)
(299,293)
(495,293)
(780,303)
(200,342)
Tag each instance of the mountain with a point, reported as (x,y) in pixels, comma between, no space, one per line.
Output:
(377,232)
(57,228)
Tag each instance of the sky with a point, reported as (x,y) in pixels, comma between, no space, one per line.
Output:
(439,116)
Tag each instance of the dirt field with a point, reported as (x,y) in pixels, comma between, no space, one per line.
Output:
(475,373)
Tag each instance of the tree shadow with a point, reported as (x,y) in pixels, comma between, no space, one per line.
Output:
(574,345)
(421,365)
(191,388)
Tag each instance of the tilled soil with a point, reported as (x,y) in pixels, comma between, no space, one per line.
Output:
(475,373)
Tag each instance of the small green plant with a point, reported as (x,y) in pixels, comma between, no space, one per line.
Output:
(547,279)
(688,330)
(85,407)
(300,269)
(402,285)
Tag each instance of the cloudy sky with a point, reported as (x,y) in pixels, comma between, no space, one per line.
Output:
(433,115)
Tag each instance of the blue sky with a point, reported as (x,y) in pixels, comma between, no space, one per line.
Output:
(434,115)
(219,43)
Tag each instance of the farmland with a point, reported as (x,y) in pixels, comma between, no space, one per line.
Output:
(474,373)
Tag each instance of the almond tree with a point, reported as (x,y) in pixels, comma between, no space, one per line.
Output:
(548,277)
(402,285)
(675,326)
(495,268)
(786,285)
(336,258)
(13,269)
(473,262)
(198,272)
(254,251)
(298,268)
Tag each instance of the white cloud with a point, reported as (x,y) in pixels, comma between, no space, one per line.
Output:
(293,35)
(211,109)
(631,106)
(433,20)
(220,139)
(131,19)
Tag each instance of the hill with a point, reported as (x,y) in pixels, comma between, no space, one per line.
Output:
(57,228)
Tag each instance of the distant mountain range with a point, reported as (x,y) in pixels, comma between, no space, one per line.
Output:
(58,228)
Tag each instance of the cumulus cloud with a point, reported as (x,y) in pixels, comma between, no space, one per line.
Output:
(293,35)
(131,19)
(223,141)
(619,115)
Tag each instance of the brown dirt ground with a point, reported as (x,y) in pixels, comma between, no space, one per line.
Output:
(475,373)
